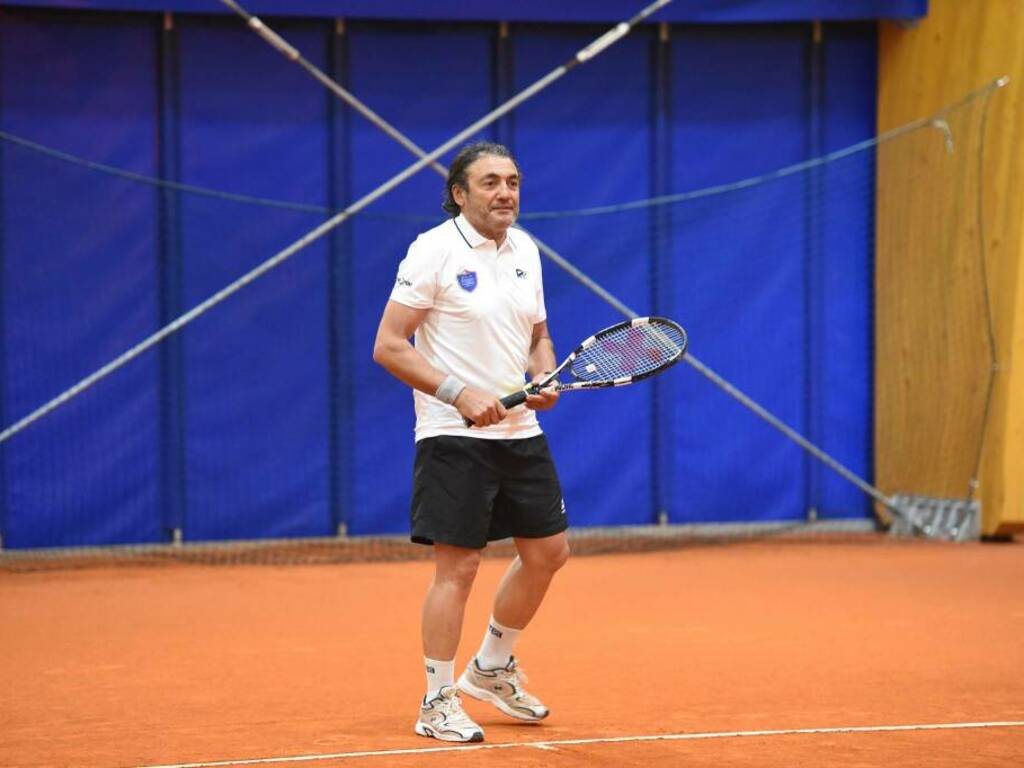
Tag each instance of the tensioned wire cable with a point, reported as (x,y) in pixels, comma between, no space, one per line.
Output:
(291,53)
(936,121)
(174,186)
(582,56)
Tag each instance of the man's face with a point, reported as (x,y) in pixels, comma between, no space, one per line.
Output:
(491,200)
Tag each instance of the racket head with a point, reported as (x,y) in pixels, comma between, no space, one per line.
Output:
(626,352)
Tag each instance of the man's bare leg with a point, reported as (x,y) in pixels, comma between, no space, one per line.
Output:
(441,713)
(454,572)
(527,579)
(491,674)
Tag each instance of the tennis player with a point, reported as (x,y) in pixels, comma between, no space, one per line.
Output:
(470,291)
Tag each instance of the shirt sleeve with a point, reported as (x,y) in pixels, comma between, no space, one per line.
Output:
(416,282)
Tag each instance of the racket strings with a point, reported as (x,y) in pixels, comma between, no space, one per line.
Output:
(629,351)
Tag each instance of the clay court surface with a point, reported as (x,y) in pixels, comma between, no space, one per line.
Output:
(723,651)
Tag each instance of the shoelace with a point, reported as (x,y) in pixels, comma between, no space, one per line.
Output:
(453,711)
(517,678)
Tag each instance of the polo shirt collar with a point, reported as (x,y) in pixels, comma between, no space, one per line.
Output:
(474,238)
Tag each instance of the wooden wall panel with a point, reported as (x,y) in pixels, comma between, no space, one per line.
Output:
(933,348)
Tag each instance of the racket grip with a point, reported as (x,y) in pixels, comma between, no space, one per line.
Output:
(509,401)
(516,398)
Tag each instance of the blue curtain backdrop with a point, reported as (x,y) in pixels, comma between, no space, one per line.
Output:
(256,380)
(267,417)
(582,146)
(703,11)
(79,286)
(389,68)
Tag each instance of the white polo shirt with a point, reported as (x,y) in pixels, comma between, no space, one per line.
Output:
(483,302)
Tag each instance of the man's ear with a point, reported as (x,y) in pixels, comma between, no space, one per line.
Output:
(458,195)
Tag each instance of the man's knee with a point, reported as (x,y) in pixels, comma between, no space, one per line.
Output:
(561,555)
(458,567)
(545,554)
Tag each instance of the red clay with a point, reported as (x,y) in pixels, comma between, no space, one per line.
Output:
(142,666)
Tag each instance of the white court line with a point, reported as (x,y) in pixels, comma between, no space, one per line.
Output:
(607,740)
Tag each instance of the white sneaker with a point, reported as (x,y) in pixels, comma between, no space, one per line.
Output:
(444,718)
(503,687)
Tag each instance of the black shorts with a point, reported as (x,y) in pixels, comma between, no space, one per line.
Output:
(469,490)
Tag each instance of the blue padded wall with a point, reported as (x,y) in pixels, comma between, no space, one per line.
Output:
(286,426)
(256,366)
(847,366)
(739,110)
(579,146)
(429,104)
(79,281)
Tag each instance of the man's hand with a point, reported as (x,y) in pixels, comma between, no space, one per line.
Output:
(480,408)
(545,399)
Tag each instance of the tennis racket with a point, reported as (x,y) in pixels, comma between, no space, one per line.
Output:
(621,354)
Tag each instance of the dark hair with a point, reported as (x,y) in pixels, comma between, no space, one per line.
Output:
(468,155)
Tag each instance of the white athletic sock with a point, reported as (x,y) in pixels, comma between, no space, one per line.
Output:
(496,649)
(439,674)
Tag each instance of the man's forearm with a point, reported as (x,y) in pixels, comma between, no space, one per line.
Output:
(542,357)
(401,359)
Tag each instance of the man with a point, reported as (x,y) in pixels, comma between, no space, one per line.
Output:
(470,291)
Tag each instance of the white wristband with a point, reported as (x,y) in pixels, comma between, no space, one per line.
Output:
(449,390)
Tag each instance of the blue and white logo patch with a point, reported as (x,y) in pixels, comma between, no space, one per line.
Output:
(467,280)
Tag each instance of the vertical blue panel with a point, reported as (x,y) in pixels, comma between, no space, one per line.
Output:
(4,418)
(814,273)
(430,85)
(342,346)
(79,280)
(586,141)
(503,86)
(663,438)
(848,205)
(739,110)
(172,416)
(256,366)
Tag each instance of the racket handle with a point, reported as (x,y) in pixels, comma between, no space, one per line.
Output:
(509,401)
(516,398)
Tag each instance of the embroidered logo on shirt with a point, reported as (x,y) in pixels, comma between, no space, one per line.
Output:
(403,282)
(467,280)
(520,274)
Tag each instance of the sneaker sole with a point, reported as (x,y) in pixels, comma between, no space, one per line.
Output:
(482,694)
(425,730)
